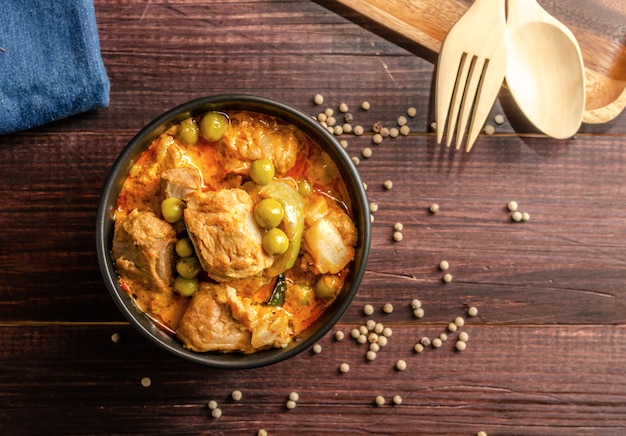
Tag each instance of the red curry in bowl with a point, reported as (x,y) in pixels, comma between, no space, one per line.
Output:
(234,231)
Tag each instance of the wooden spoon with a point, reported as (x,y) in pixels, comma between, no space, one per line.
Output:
(545,73)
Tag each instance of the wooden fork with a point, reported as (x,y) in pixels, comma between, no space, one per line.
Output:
(470,71)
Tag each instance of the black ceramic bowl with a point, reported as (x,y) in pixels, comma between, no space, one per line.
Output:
(112,187)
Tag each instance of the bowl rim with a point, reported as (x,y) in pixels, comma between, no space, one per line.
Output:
(110,192)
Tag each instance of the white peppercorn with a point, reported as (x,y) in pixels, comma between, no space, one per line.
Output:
(460,345)
(459,321)
(370,355)
(447,278)
(397,400)
(401,365)
(419,312)
(368,309)
(418,348)
(317,348)
(344,367)
(236,395)
(388,308)
(366,152)
(377,138)
(444,265)
(380,400)
(463,336)
(318,99)
(388,184)
(365,105)
(472,311)
(397,236)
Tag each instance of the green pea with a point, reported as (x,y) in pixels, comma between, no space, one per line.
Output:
(213,125)
(275,241)
(186,287)
(172,209)
(304,187)
(188,131)
(326,287)
(268,213)
(184,247)
(262,171)
(188,267)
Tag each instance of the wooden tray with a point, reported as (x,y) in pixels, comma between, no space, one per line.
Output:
(426,22)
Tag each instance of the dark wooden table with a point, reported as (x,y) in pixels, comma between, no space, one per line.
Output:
(545,355)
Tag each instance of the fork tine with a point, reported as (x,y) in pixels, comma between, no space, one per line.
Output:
(457,97)
(486,99)
(448,65)
(471,97)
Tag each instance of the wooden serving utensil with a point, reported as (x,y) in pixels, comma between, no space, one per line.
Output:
(426,22)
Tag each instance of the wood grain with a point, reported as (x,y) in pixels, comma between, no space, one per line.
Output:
(545,354)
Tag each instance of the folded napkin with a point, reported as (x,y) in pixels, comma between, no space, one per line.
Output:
(50,62)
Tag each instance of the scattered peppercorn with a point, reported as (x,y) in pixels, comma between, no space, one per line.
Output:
(344,367)
(379,400)
(318,99)
(339,335)
(394,132)
(460,346)
(358,130)
(262,432)
(370,355)
(290,404)
(444,265)
(401,365)
(437,343)
(212,404)
(236,395)
(366,152)
(411,112)
(368,309)
(419,312)
(416,304)
(459,321)
(397,400)
(388,184)
(472,311)
(418,348)
(115,338)
(447,277)
(388,308)
(405,130)
(398,236)
(425,341)
(365,105)
(452,327)
(294,396)
(434,208)
(489,129)
(463,336)
(343,107)
(498,119)
(216,413)
(146,382)
(317,348)
(377,138)
(398,227)
(512,206)
(516,216)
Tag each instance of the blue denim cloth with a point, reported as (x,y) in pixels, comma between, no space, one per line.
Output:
(50,62)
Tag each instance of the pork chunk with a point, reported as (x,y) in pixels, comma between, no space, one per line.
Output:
(257,137)
(269,325)
(227,240)
(208,324)
(143,250)
(180,181)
